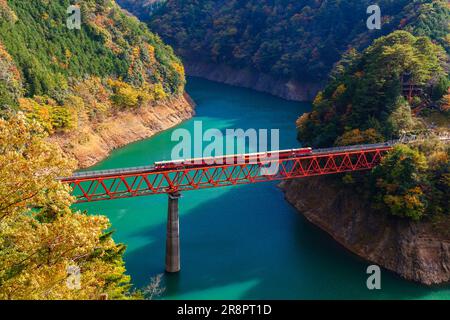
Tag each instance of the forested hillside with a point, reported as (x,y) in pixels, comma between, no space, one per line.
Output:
(368,99)
(56,81)
(113,61)
(365,91)
(288,39)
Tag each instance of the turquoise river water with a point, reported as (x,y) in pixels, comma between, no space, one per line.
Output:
(242,242)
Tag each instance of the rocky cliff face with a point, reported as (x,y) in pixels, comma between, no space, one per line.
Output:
(94,142)
(416,251)
(286,89)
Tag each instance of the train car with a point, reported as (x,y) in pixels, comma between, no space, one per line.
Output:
(168,164)
(233,159)
(294,153)
(303,151)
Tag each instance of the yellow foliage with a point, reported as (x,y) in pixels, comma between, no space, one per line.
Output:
(40,237)
(412,200)
(68,54)
(151,53)
(49,115)
(136,52)
(438,158)
(158,92)
(179,68)
(340,90)
(319,98)
(36,112)
(125,96)
(128,96)
(74,102)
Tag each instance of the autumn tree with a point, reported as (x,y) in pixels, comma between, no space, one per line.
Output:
(357,136)
(400,181)
(41,237)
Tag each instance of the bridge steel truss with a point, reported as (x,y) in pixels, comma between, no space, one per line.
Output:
(127,184)
(174,178)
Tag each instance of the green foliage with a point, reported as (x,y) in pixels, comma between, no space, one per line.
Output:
(109,44)
(284,38)
(365,90)
(408,184)
(10,82)
(62,119)
(440,89)
(431,20)
(73,67)
(400,180)
(363,103)
(142,8)
(401,119)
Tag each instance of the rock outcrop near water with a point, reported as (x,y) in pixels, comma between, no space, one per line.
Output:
(286,89)
(416,251)
(94,142)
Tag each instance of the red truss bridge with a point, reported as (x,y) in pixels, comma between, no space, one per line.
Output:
(172,177)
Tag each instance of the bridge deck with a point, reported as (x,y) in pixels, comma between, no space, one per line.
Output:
(220,160)
(171,177)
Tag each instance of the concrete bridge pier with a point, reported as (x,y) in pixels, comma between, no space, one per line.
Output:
(173,235)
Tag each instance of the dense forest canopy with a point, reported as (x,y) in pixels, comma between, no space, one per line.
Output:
(60,76)
(365,90)
(366,101)
(284,38)
(49,59)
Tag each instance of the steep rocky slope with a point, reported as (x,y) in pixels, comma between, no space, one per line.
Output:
(418,251)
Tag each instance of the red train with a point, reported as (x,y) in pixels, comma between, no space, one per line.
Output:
(234,159)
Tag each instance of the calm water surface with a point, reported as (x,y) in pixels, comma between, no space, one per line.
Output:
(242,242)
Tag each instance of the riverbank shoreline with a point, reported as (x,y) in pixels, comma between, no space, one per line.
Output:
(416,251)
(93,143)
(286,89)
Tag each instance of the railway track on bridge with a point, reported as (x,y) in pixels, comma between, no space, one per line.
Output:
(173,177)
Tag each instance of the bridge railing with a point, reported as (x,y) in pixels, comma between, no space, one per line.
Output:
(149,168)
(404,138)
(113,171)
